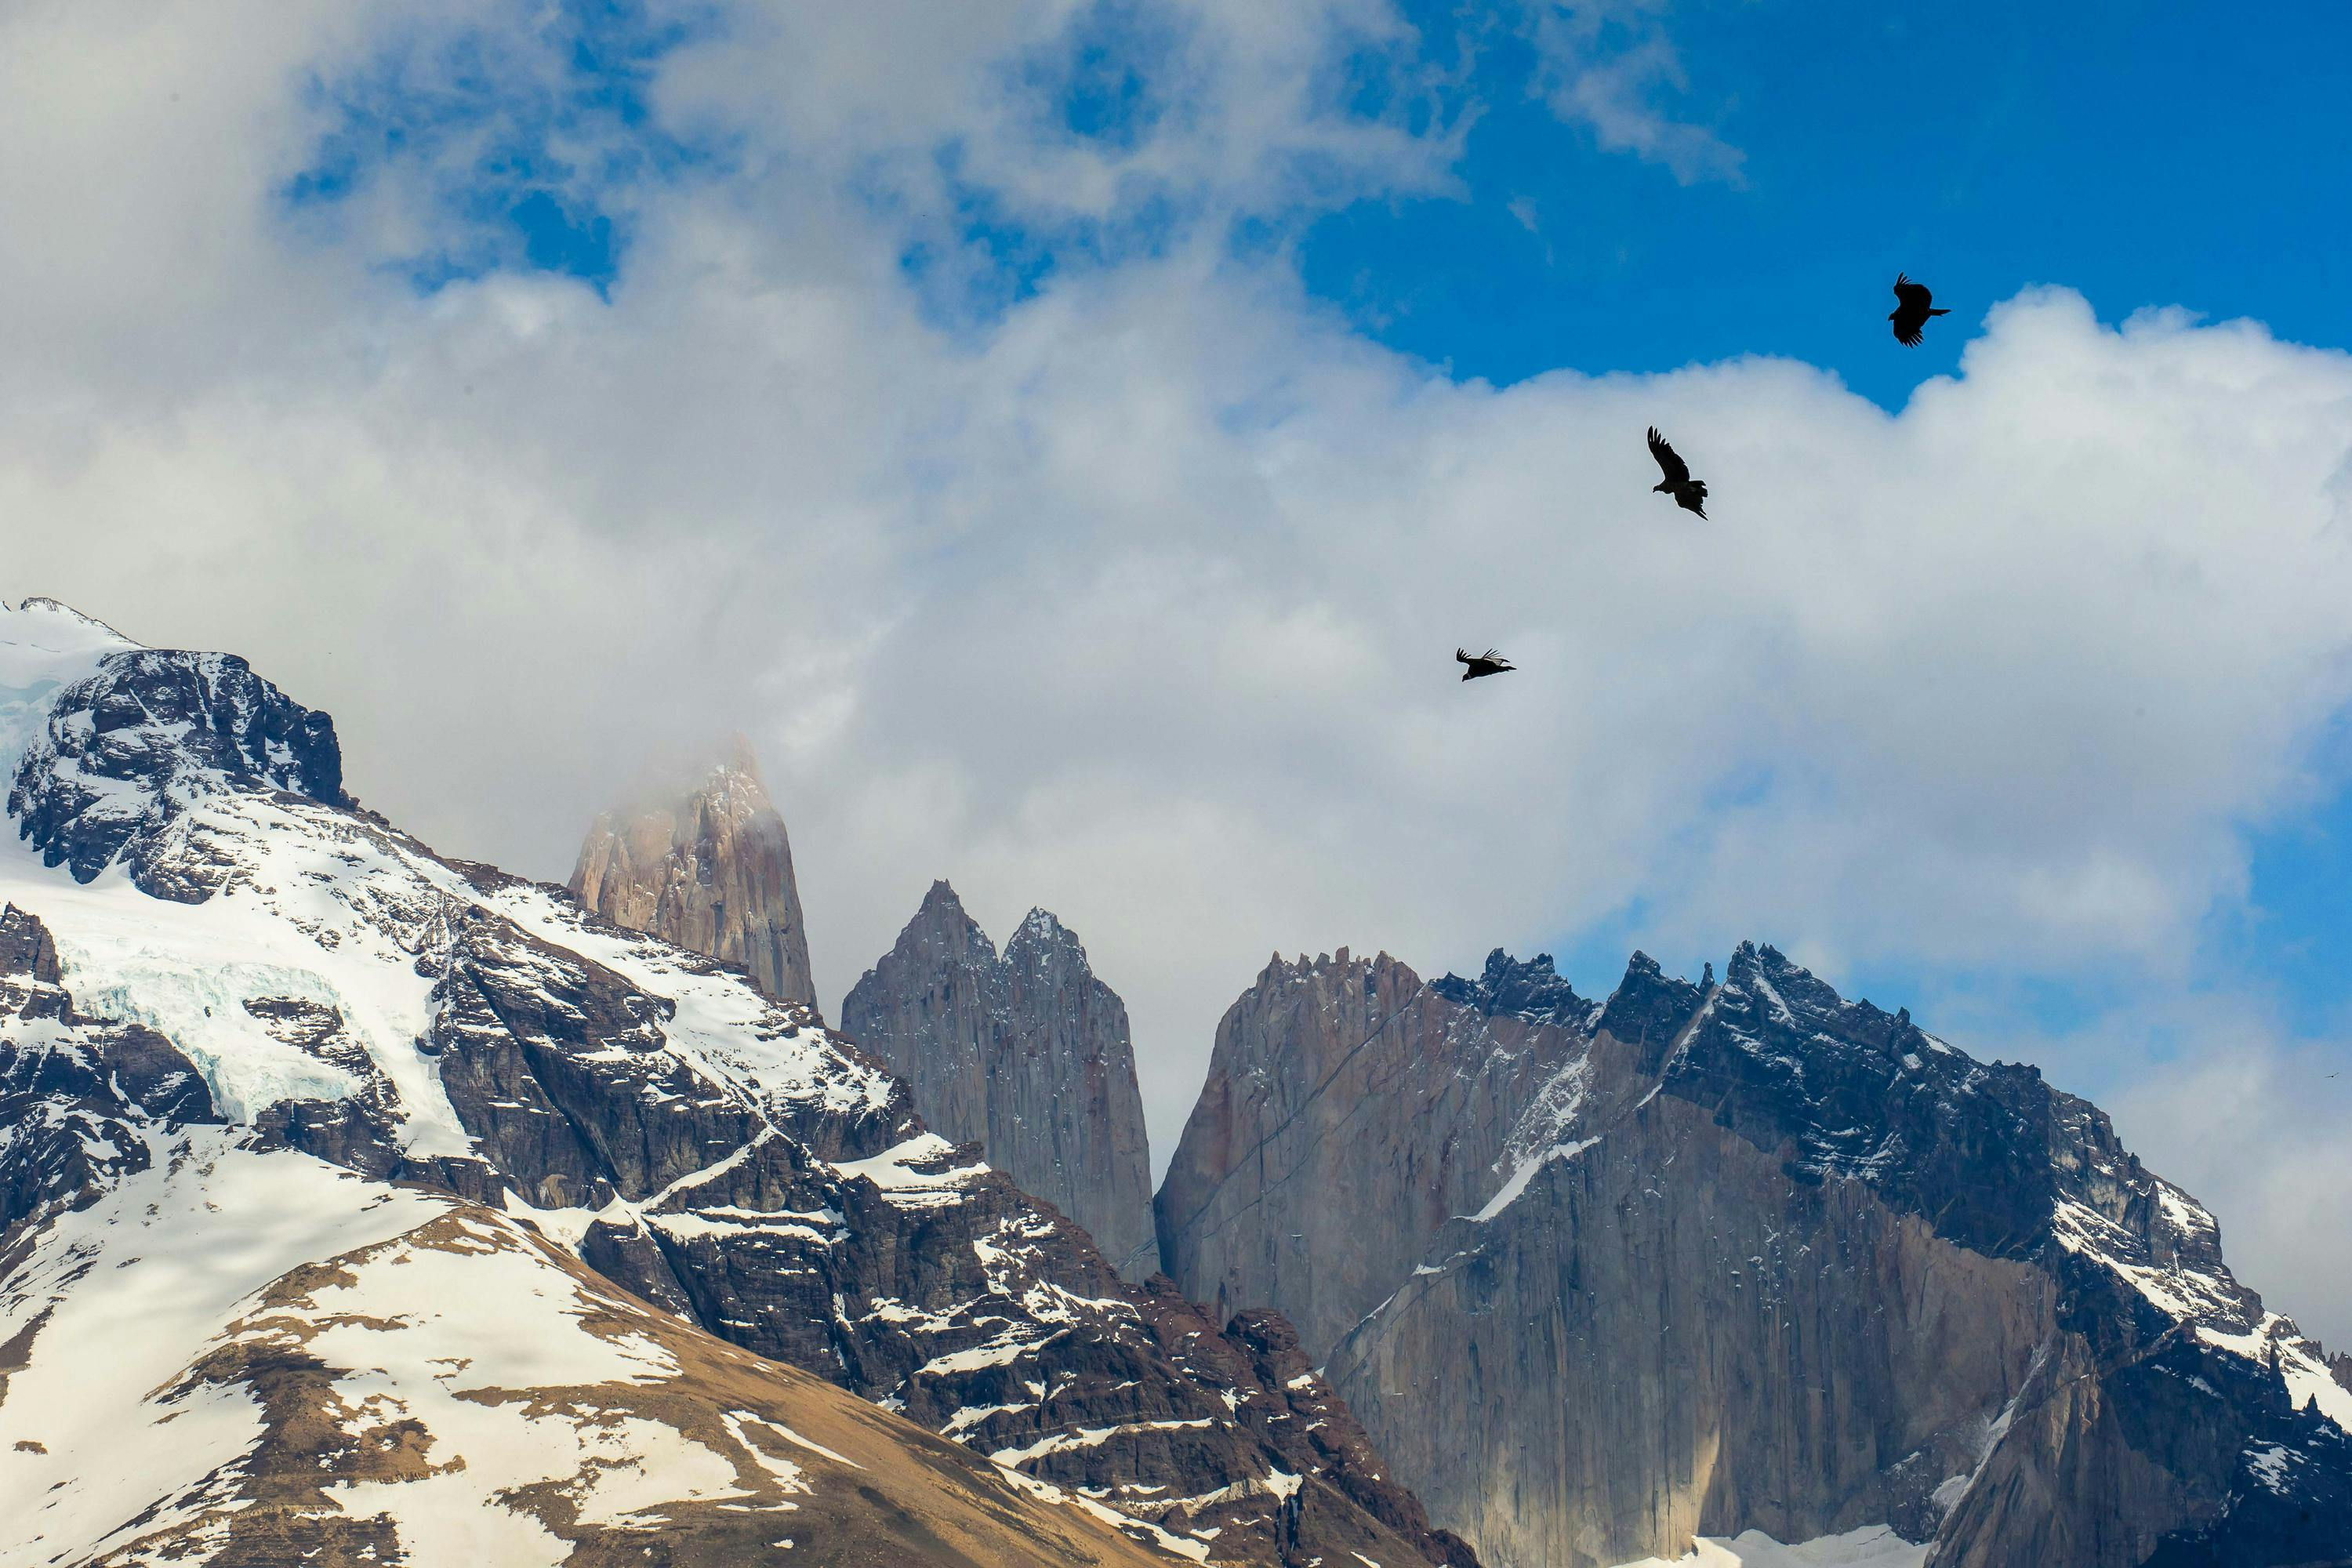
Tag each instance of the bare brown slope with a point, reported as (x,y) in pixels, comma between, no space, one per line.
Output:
(848,1484)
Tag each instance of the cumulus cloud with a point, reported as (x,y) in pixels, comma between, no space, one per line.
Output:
(1133,593)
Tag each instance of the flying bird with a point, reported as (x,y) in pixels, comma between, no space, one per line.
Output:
(1488,663)
(1689,494)
(1911,312)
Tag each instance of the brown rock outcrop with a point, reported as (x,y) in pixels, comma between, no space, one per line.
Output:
(1027,1055)
(707,867)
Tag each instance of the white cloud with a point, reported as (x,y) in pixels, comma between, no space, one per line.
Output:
(1137,600)
(1610,66)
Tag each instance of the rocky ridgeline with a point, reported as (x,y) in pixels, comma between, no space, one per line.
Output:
(1027,1055)
(111,1151)
(707,866)
(1706,1258)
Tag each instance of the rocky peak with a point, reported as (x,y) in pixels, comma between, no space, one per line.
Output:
(125,751)
(1847,1090)
(1714,1202)
(1531,991)
(1027,1055)
(942,930)
(706,864)
(1648,1011)
(1041,939)
(410,1104)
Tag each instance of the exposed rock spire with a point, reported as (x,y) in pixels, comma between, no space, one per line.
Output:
(1027,1055)
(707,866)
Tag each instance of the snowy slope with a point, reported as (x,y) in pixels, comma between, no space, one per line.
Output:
(288,1359)
(1873,1546)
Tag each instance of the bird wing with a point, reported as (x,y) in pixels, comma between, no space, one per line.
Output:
(1908,332)
(1912,296)
(1676,471)
(1460,657)
(1694,497)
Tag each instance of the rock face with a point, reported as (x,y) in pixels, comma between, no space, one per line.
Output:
(1332,1080)
(1027,1056)
(1708,1258)
(708,868)
(366,1206)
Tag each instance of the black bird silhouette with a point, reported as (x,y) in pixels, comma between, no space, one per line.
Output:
(1488,663)
(1689,494)
(1911,312)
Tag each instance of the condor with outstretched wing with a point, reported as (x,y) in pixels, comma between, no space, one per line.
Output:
(1689,494)
(1911,309)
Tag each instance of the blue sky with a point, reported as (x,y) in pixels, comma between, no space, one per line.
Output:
(2146,154)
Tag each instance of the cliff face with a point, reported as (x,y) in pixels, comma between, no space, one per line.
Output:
(1027,1055)
(709,869)
(1745,1256)
(1331,1080)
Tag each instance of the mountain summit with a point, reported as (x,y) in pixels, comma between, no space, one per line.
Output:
(1027,1055)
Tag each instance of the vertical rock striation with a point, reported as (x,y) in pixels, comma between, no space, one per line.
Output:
(1027,1055)
(708,868)
(1706,1259)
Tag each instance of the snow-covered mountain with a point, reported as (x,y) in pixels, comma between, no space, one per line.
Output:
(360,1205)
(1710,1258)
